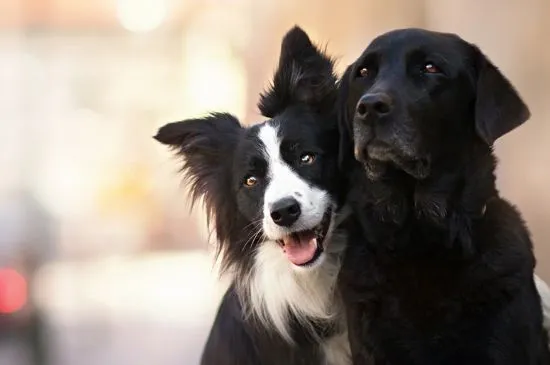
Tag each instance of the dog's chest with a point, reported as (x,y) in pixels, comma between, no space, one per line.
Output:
(336,350)
(423,292)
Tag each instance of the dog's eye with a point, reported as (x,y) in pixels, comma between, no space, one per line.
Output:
(250,181)
(430,68)
(364,72)
(307,158)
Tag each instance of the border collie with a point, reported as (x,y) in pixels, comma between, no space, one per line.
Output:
(273,195)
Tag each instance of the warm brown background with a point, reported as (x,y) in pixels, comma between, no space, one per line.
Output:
(128,279)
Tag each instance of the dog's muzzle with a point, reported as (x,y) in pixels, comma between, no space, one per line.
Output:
(361,138)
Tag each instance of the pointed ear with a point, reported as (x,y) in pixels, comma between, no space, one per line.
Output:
(205,145)
(203,136)
(498,109)
(305,75)
(344,121)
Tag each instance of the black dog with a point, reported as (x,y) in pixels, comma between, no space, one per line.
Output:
(444,274)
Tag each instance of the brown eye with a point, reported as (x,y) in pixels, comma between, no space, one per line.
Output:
(250,181)
(307,158)
(364,72)
(430,68)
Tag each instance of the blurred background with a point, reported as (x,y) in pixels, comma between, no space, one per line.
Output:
(100,260)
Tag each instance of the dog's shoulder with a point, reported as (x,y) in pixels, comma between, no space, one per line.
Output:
(230,341)
(239,339)
(503,239)
(503,264)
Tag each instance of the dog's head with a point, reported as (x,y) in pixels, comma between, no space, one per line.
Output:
(270,187)
(416,98)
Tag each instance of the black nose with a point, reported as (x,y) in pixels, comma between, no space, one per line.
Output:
(285,212)
(378,104)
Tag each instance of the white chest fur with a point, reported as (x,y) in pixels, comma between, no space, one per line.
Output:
(337,350)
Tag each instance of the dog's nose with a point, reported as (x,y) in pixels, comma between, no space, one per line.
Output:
(285,212)
(378,104)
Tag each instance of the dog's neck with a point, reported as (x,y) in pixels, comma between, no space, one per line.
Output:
(450,199)
(463,187)
(298,305)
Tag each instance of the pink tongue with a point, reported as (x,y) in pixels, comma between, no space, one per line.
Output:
(300,249)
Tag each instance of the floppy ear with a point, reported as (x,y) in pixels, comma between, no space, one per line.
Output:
(305,75)
(345,130)
(498,109)
(205,145)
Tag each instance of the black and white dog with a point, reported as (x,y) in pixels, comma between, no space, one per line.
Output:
(274,194)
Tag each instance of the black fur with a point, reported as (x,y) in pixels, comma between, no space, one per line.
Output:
(219,154)
(305,76)
(237,340)
(206,143)
(443,273)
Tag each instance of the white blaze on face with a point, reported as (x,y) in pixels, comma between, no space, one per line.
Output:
(277,287)
(286,183)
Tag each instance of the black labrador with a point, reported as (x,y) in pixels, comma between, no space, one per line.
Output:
(443,273)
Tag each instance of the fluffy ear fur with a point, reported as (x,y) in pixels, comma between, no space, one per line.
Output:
(305,75)
(205,145)
(499,109)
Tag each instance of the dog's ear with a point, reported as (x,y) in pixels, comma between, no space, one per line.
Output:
(345,129)
(305,75)
(498,109)
(204,144)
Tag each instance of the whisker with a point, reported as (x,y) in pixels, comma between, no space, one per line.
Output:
(255,231)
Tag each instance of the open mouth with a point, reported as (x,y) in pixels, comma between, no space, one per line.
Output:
(303,248)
